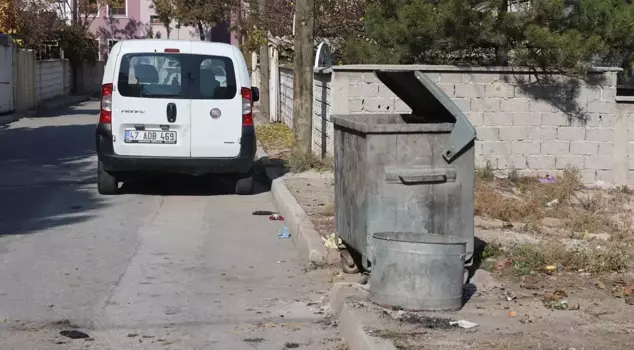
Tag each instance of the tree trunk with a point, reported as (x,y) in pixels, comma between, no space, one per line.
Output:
(201,30)
(303,77)
(265,68)
(501,51)
(168,30)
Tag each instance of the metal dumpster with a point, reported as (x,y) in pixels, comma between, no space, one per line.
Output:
(404,173)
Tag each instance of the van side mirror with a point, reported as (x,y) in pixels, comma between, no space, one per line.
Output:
(256,94)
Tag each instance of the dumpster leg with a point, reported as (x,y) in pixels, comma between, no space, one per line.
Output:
(347,263)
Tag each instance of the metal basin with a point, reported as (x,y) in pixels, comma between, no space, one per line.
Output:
(417,271)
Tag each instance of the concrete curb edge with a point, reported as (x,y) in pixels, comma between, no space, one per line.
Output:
(305,237)
(350,325)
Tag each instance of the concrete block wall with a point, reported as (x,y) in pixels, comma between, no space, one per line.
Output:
(524,125)
(286,95)
(6,79)
(24,91)
(322,127)
(624,138)
(52,79)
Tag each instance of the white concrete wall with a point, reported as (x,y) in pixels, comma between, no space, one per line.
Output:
(6,79)
(322,126)
(286,95)
(52,79)
(24,91)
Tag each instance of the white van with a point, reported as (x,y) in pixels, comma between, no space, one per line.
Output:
(175,106)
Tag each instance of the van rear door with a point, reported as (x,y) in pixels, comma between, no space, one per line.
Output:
(151,109)
(216,104)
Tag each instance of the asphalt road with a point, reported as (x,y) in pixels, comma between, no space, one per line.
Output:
(173,263)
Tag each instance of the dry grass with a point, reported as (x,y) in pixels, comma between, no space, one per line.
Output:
(531,259)
(300,162)
(276,139)
(527,200)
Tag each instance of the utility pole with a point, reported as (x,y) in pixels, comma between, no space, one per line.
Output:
(303,77)
(265,69)
(73,67)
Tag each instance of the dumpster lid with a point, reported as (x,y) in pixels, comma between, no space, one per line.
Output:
(428,101)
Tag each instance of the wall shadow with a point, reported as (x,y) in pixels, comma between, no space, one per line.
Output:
(561,92)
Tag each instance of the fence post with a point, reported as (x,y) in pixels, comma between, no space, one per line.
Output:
(274,86)
(255,74)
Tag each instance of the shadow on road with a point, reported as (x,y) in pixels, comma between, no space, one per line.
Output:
(183,185)
(43,172)
(47,177)
(78,109)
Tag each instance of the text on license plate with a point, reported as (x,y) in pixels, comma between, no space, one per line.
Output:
(150,136)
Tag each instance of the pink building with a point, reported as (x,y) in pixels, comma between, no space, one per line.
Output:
(135,19)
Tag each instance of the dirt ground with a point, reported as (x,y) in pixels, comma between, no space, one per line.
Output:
(601,322)
(314,191)
(554,264)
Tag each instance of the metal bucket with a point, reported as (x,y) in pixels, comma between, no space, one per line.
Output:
(417,271)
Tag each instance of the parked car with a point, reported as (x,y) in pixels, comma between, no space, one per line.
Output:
(175,106)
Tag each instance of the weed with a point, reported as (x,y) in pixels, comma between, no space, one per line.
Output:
(565,186)
(485,173)
(491,250)
(328,210)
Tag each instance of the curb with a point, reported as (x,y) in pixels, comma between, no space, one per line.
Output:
(47,105)
(306,239)
(350,326)
(6,119)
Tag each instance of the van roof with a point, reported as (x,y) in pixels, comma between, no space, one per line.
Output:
(198,46)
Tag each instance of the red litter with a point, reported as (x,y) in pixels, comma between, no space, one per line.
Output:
(276,217)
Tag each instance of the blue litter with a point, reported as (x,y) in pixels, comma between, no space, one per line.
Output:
(284,234)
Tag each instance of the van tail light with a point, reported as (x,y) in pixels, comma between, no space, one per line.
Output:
(247,107)
(105,116)
(172,50)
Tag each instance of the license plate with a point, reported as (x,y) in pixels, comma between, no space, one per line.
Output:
(150,136)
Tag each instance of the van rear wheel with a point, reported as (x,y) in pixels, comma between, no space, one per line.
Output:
(106,182)
(245,184)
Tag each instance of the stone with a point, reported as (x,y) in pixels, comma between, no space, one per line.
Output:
(552,222)
(484,280)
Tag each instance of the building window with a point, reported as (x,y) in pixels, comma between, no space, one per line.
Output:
(155,20)
(118,8)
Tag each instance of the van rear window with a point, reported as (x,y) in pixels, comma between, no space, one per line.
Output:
(177,76)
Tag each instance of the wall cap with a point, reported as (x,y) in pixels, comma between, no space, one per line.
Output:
(448,69)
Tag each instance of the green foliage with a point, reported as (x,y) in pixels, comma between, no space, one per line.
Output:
(557,35)
(77,45)
(202,14)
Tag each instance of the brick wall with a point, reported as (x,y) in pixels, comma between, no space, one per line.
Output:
(522,124)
